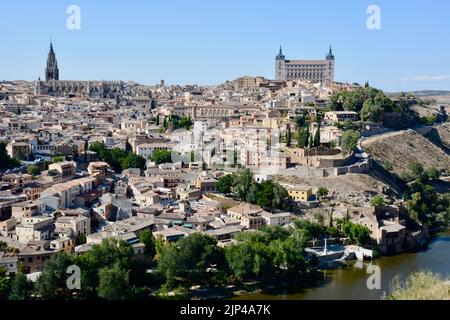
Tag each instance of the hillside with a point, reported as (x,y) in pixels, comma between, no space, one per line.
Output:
(444,134)
(398,149)
(357,189)
(440,136)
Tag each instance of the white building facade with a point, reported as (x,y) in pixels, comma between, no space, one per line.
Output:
(312,70)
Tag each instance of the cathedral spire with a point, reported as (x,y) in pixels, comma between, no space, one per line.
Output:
(51,71)
(330,55)
(280,55)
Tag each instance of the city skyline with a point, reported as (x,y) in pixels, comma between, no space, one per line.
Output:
(157,43)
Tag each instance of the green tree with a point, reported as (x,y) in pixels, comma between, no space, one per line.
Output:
(310,230)
(371,112)
(113,283)
(300,120)
(356,233)
(161,156)
(117,158)
(316,142)
(190,261)
(416,169)
(305,137)
(6,162)
(377,201)
(322,192)
(147,238)
(288,137)
(134,161)
(272,254)
(33,170)
(51,284)
(81,239)
(104,255)
(4,283)
(383,103)
(354,101)
(225,184)
(58,159)
(242,185)
(250,260)
(158,121)
(299,137)
(336,102)
(433,173)
(86,148)
(21,288)
(350,140)
(252,195)
(281,199)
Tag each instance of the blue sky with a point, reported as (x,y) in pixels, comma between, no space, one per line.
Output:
(208,42)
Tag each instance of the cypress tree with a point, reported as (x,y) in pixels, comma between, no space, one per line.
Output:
(317,137)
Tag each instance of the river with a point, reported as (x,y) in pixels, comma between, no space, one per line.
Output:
(350,283)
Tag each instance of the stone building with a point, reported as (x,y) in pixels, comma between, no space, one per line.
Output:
(313,70)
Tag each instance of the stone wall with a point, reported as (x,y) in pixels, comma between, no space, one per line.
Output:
(310,172)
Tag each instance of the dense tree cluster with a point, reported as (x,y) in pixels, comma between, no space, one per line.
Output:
(111,271)
(356,233)
(350,140)
(273,254)
(118,159)
(341,228)
(371,103)
(303,137)
(266,194)
(269,255)
(424,204)
(161,156)
(181,123)
(6,162)
(176,122)
(194,260)
(33,170)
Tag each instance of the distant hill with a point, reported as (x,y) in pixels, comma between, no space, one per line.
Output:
(423,93)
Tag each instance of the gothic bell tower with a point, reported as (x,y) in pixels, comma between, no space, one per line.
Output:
(51,71)
(280,66)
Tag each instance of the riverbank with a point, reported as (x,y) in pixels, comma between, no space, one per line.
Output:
(346,282)
(350,283)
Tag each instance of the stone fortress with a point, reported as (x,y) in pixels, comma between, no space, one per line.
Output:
(311,70)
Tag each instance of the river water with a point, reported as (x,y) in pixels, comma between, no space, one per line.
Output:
(350,283)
